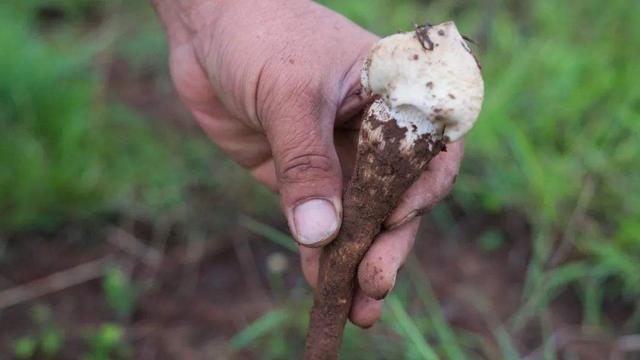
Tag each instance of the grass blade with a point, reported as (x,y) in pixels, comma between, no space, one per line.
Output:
(272,234)
(410,329)
(443,331)
(509,351)
(260,327)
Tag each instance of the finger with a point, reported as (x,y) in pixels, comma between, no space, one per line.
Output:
(346,146)
(266,174)
(308,172)
(244,144)
(378,269)
(431,187)
(365,311)
(355,99)
(310,262)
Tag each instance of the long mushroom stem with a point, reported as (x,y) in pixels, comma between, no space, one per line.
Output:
(427,91)
(384,170)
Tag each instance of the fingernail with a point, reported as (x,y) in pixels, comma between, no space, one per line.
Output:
(412,215)
(383,295)
(315,221)
(393,284)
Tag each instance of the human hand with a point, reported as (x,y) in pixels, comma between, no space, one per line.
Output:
(276,85)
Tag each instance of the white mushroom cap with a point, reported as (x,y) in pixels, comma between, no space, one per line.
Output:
(431,89)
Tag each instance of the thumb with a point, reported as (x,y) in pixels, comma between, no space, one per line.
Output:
(308,171)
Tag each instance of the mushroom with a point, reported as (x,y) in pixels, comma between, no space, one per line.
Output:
(426,90)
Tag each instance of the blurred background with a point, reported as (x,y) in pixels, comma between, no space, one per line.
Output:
(125,234)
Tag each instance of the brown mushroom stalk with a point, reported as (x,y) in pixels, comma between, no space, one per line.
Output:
(427,91)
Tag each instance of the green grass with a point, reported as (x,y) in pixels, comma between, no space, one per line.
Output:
(66,153)
(557,143)
(69,153)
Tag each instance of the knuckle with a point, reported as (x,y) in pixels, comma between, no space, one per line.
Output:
(284,93)
(306,167)
(444,175)
(449,177)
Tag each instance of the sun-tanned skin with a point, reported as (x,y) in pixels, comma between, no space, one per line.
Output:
(275,84)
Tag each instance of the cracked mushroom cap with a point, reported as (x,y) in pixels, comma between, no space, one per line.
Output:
(428,78)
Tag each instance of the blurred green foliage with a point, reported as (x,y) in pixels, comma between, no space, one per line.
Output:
(557,139)
(65,152)
(557,142)
(119,292)
(46,342)
(107,343)
(68,151)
